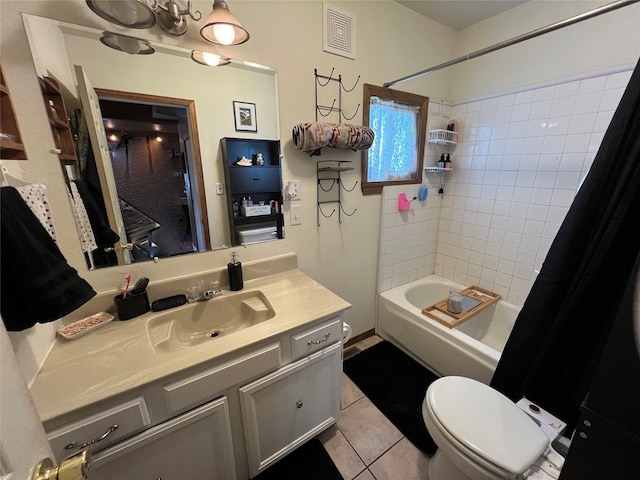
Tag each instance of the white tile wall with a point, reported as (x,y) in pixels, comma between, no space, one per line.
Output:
(517,166)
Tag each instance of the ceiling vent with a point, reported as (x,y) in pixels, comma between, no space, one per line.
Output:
(339,31)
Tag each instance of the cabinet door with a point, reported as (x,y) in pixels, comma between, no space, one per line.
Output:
(286,408)
(193,446)
(254,179)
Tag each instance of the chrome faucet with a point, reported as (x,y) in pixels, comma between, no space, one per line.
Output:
(197,293)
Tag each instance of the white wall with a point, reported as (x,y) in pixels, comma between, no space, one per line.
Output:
(599,44)
(391,42)
(519,163)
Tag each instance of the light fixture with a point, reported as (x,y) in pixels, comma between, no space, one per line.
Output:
(126,13)
(124,43)
(209,59)
(172,19)
(222,28)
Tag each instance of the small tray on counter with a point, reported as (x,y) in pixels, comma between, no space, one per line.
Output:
(84,326)
(478,299)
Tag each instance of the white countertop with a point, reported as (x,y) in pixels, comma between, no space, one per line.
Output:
(119,357)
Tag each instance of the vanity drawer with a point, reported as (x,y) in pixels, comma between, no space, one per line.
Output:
(100,430)
(315,338)
(195,389)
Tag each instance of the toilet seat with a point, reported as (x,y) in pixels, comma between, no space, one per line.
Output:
(484,425)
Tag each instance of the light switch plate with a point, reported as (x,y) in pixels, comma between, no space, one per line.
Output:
(219,189)
(295,215)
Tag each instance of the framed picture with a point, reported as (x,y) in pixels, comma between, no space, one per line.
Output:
(245,115)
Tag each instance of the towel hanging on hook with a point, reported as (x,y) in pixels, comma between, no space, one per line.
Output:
(34,195)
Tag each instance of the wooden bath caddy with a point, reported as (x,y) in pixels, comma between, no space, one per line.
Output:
(438,311)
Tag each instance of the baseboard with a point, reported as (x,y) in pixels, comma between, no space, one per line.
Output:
(361,336)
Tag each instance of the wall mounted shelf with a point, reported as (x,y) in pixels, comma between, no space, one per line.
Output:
(438,176)
(443,137)
(11,147)
(330,187)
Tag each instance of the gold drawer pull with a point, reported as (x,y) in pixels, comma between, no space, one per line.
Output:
(110,430)
(318,342)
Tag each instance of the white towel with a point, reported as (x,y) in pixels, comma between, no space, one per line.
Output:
(34,195)
(85,232)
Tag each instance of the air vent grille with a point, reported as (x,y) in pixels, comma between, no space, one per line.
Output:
(339,32)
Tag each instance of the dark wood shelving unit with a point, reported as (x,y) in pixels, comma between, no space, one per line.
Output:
(10,148)
(259,182)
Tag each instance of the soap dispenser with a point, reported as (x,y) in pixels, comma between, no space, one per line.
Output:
(235,273)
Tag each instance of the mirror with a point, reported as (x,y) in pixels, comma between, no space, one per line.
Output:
(168,73)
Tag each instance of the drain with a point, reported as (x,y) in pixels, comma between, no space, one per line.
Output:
(213,333)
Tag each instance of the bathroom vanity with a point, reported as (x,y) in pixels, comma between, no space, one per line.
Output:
(149,405)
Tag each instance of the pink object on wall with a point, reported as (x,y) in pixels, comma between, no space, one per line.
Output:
(404,203)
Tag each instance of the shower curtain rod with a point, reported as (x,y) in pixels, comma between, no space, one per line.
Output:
(521,38)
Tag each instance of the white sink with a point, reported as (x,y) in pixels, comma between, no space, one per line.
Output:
(201,322)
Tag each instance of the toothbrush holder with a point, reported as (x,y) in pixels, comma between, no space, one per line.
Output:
(132,305)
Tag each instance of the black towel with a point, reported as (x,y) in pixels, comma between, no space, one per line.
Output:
(37,283)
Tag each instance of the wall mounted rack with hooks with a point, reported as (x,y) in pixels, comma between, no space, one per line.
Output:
(438,177)
(326,110)
(330,187)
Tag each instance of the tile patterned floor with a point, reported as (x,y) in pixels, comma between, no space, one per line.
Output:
(364,445)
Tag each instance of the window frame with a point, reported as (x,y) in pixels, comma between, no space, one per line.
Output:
(422,102)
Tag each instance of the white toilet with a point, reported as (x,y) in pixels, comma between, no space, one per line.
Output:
(480,433)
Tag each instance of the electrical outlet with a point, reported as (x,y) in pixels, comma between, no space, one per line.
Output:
(295,215)
(293,190)
(219,189)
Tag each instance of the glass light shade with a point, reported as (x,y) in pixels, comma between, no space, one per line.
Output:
(126,13)
(124,43)
(222,28)
(209,59)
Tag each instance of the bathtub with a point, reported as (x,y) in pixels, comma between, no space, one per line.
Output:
(471,350)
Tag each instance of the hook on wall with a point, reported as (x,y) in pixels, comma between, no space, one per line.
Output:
(324,214)
(328,175)
(348,189)
(323,81)
(333,182)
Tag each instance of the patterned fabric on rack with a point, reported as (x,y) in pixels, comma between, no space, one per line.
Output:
(83,225)
(310,137)
(34,195)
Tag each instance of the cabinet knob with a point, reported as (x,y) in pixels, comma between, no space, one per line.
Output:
(299,403)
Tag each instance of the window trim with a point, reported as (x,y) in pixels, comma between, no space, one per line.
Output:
(375,188)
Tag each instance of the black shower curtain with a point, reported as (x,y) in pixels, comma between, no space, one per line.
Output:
(560,333)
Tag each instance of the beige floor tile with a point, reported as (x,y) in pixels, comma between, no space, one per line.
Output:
(350,392)
(361,345)
(403,461)
(366,475)
(372,340)
(343,455)
(368,431)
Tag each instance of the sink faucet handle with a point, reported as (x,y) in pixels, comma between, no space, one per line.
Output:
(193,292)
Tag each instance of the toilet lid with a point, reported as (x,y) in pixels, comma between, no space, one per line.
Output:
(487,422)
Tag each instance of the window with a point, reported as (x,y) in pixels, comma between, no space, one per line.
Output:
(399,120)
